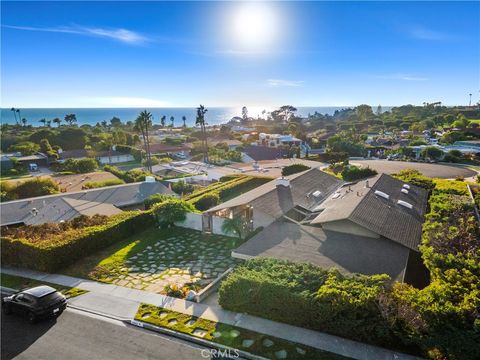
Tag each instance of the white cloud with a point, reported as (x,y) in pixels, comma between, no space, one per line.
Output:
(282,82)
(122,35)
(423,33)
(404,77)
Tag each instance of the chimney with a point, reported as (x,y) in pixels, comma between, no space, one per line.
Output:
(283,182)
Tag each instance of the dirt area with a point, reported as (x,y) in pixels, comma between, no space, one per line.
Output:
(442,171)
(72,183)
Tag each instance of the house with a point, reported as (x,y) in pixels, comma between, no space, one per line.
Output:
(258,153)
(113,157)
(76,154)
(61,207)
(38,159)
(165,149)
(277,140)
(370,227)
(232,144)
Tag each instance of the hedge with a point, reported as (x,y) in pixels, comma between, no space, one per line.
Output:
(353,173)
(293,169)
(60,251)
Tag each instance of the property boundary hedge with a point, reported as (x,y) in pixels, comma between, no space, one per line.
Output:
(61,251)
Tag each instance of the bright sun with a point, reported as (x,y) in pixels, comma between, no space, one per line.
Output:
(255,26)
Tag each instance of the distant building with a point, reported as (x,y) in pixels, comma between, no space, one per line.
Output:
(277,140)
(113,157)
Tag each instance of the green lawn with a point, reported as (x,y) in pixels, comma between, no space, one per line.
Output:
(232,336)
(19,283)
(155,258)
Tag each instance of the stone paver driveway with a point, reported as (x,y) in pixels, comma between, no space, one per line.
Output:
(191,257)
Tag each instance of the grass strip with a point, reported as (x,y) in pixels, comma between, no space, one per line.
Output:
(229,335)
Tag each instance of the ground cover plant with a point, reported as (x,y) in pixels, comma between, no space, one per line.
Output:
(228,335)
(20,283)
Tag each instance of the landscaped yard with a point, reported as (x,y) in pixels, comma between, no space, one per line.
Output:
(232,336)
(156,258)
(19,283)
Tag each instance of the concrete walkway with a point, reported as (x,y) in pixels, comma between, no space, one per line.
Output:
(121,302)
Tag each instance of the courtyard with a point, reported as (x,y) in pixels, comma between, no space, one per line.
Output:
(155,258)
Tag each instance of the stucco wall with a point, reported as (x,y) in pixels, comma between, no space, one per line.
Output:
(194,221)
(349,227)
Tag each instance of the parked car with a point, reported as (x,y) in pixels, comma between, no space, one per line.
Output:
(35,303)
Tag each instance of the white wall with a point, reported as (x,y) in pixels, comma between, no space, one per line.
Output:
(194,221)
(115,159)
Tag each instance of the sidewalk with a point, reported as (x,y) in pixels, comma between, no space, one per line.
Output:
(121,302)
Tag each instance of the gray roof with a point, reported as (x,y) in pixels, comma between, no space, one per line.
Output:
(346,252)
(382,216)
(276,201)
(54,208)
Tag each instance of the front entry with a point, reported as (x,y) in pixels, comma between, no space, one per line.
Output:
(207,223)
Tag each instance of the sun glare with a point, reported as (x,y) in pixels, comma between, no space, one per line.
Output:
(254,26)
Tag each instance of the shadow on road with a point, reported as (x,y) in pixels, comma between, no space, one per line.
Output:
(18,334)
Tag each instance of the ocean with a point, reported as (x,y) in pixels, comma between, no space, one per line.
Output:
(91,116)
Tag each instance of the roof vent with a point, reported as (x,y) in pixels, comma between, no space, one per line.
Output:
(405,204)
(382,194)
(405,191)
(406,186)
(317,193)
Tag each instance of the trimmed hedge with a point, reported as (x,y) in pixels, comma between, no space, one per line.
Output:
(353,173)
(62,250)
(293,169)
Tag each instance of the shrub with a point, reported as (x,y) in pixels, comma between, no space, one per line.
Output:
(182,188)
(207,201)
(61,250)
(416,178)
(155,199)
(25,148)
(79,166)
(37,186)
(352,173)
(130,176)
(99,184)
(170,211)
(293,169)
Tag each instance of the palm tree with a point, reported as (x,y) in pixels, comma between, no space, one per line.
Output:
(172,120)
(200,120)
(236,225)
(142,123)
(184,119)
(19,114)
(57,121)
(162,121)
(14,114)
(43,121)
(49,123)
(24,122)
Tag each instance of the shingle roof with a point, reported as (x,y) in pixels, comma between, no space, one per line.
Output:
(258,153)
(346,252)
(382,216)
(268,199)
(18,211)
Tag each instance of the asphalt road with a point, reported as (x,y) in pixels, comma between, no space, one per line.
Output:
(431,170)
(78,335)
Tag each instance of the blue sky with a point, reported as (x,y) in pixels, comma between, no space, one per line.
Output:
(124,54)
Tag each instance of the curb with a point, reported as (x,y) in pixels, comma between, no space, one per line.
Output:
(79,308)
(198,341)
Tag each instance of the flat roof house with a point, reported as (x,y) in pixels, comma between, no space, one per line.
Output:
(370,227)
(61,207)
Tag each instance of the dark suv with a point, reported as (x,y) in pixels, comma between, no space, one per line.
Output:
(35,303)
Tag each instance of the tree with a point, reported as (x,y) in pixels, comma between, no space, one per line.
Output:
(142,123)
(18,113)
(25,148)
(461,122)
(431,152)
(14,114)
(70,119)
(184,119)
(49,123)
(155,199)
(182,188)
(115,122)
(379,110)
(162,121)
(172,120)
(57,121)
(43,121)
(71,138)
(38,186)
(237,225)
(200,120)
(24,122)
(245,114)
(364,112)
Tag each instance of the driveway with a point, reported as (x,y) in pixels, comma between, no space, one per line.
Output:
(432,170)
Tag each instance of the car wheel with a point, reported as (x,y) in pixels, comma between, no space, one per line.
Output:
(6,309)
(31,317)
